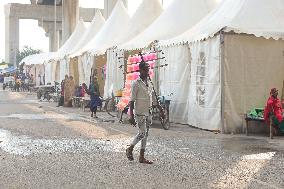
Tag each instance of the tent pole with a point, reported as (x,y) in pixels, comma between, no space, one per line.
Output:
(221,64)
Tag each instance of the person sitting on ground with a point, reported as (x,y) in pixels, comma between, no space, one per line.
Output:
(94,92)
(274,108)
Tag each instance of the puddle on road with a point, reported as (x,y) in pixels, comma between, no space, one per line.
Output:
(24,145)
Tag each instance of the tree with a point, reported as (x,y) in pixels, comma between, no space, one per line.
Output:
(26,51)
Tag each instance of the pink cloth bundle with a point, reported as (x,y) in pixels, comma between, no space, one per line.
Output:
(136,75)
(152,64)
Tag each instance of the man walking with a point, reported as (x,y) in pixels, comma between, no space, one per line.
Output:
(142,97)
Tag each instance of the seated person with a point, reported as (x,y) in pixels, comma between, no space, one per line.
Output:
(273,107)
(83,90)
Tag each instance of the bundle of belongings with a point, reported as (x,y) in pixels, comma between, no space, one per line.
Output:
(256,113)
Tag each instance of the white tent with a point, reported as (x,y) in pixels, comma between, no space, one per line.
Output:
(114,27)
(84,66)
(235,58)
(68,47)
(71,44)
(239,16)
(95,26)
(146,13)
(177,18)
(37,58)
(38,61)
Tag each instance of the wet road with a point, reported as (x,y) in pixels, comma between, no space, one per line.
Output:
(42,146)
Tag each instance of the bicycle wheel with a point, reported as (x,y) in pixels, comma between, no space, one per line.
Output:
(111,107)
(166,122)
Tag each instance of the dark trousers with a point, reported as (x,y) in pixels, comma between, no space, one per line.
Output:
(61,101)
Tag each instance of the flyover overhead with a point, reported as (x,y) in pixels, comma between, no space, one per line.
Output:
(44,14)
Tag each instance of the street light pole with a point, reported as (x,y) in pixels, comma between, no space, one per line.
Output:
(55,34)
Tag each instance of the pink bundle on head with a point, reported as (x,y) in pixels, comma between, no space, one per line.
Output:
(151,73)
(128,85)
(129,77)
(136,67)
(145,57)
(119,106)
(125,100)
(152,56)
(129,68)
(126,93)
(152,64)
(137,59)
(136,75)
(131,59)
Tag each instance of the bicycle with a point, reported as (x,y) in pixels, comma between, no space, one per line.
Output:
(156,113)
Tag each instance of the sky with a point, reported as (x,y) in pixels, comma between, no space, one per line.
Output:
(34,36)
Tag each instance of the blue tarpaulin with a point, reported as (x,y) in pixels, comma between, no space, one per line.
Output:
(9,70)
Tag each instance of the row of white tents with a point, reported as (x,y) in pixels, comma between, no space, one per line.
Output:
(223,58)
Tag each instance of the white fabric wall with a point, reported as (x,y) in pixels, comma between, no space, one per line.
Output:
(48,72)
(182,78)
(114,75)
(206,115)
(40,70)
(53,73)
(64,68)
(57,71)
(81,70)
(175,79)
(252,66)
(86,61)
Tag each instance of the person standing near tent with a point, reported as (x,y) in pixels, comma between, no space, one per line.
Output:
(69,89)
(274,108)
(141,100)
(61,100)
(94,92)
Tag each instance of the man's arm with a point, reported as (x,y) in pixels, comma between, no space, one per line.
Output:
(131,108)
(134,90)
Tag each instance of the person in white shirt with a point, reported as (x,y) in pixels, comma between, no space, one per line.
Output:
(142,97)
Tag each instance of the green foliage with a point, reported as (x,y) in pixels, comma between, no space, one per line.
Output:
(26,51)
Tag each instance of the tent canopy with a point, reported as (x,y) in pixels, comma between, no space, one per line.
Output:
(114,26)
(83,45)
(177,18)
(70,45)
(146,14)
(37,58)
(262,18)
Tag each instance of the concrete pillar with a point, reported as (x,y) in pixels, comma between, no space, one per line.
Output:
(70,9)
(51,33)
(53,40)
(11,39)
(109,5)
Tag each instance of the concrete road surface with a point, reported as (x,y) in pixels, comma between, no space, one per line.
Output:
(42,146)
